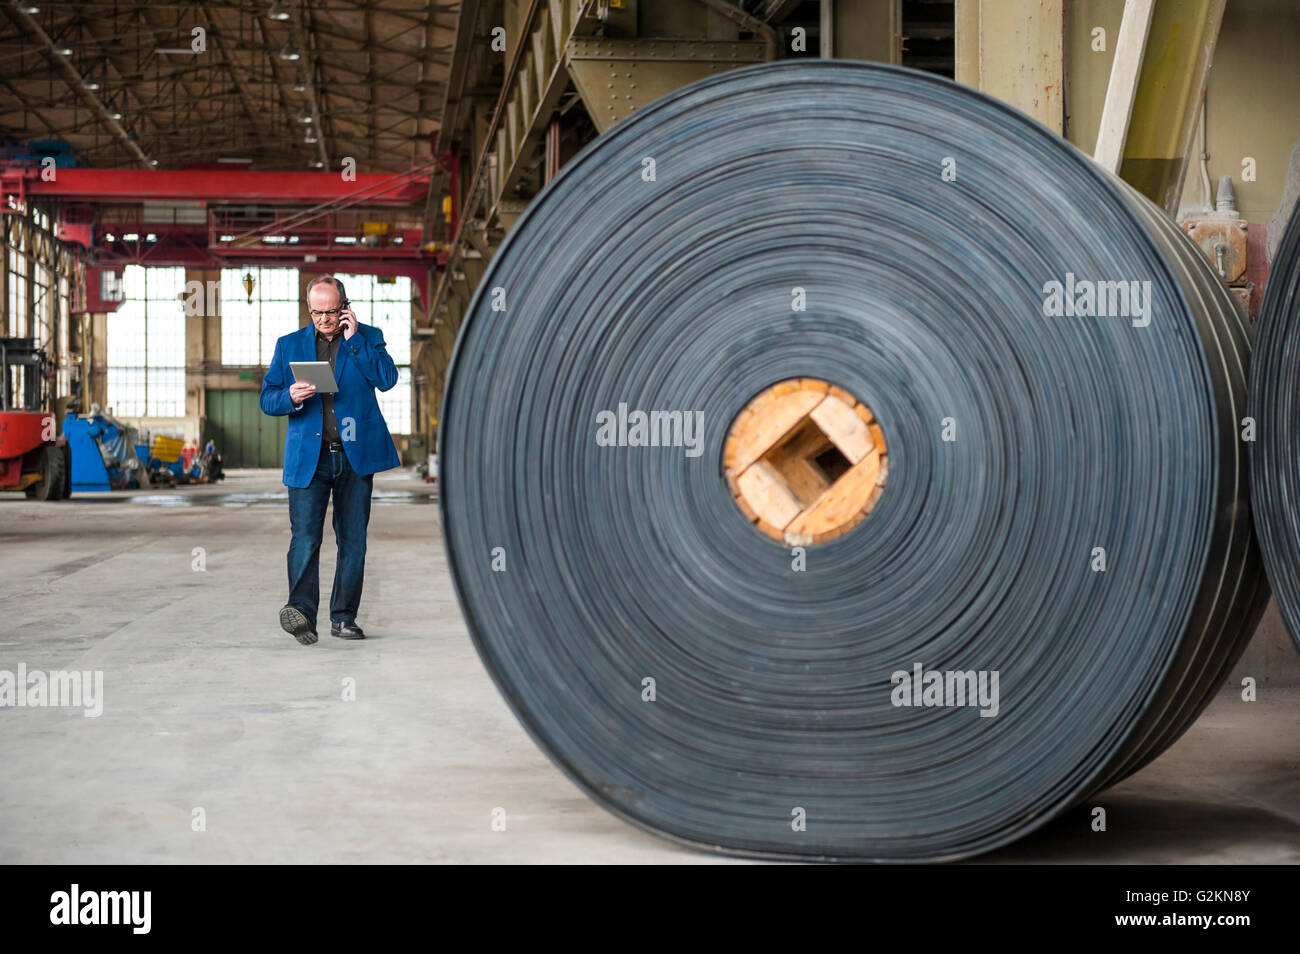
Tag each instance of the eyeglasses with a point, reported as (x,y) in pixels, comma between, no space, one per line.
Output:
(333,312)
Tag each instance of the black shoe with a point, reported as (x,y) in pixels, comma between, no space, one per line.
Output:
(346,630)
(294,622)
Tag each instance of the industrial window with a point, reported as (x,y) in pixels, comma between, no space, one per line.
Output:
(146,344)
(386,304)
(251,322)
(18,286)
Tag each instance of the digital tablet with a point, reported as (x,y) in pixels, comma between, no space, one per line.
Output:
(315,372)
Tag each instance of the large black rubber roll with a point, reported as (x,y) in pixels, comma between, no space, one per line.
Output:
(1275,407)
(1066,502)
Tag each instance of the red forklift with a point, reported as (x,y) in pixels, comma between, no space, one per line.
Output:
(33,457)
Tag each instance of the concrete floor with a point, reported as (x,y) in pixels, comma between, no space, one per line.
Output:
(209,705)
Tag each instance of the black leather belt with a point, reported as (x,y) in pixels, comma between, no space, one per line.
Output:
(334,445)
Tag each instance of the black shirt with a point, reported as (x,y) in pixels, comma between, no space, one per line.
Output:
(326,350)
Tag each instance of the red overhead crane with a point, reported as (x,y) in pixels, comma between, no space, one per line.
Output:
(304,227)
(210,185)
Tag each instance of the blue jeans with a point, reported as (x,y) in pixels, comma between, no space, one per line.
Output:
(307,506)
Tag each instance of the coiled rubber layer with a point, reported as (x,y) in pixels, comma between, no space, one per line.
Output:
(1275,407)
(672,659)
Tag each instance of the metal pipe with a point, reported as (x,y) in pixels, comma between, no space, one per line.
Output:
(1205,155)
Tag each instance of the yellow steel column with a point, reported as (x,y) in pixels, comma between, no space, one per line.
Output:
(1179,48)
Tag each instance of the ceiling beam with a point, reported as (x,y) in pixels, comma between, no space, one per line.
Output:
(73,79)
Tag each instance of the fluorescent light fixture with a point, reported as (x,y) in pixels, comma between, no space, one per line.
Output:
(289,51)
(345,239)
(277,11)
(227,238)
(151,237)
(273,239)
(131,237)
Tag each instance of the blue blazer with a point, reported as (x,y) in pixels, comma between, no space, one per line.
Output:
(362,364)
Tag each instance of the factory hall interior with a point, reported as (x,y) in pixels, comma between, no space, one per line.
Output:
(649,431)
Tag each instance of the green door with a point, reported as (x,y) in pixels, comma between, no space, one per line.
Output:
(245,437)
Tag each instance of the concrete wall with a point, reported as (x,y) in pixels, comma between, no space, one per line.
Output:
(1088,71)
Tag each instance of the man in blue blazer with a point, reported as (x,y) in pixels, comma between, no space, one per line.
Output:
(334,446)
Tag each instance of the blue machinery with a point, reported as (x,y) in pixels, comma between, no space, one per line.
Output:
(104,454)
